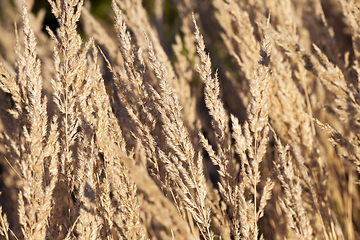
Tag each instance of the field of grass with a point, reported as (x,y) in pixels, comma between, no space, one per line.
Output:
(180,119)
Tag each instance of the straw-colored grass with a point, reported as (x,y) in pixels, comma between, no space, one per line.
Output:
(222,119)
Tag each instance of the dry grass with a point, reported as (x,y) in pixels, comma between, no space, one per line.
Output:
(180,120)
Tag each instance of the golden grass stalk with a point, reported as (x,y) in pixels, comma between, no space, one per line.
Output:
(250,145)
(185,166)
